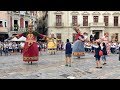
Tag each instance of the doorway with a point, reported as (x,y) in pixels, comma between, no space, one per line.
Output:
(96,35)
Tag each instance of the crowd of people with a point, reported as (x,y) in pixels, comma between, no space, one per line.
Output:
(114,47)
(7,48)
(10,47)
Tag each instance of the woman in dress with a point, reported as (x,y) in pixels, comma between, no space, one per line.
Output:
(30,50)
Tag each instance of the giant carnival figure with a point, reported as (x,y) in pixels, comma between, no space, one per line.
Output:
(51,44)
(30,50)
(78,45)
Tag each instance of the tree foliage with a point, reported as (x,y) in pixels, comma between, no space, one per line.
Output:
(42,23)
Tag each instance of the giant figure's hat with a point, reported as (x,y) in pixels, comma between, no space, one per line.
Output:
(30,23)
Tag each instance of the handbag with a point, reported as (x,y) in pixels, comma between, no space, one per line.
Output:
(100,53)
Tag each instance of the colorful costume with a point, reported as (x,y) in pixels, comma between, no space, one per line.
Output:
(30,50)
(52,45)
(78,46)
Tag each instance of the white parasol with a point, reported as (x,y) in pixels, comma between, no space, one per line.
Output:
(14,39)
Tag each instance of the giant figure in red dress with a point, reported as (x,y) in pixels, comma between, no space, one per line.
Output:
(30,50)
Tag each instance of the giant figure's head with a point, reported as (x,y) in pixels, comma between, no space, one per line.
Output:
(30,26)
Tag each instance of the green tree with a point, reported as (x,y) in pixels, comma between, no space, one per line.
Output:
(42,23)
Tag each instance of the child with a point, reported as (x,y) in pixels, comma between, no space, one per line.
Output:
(68,52)
(104,53)
(97,56)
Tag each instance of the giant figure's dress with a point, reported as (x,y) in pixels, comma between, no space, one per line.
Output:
(78,46)
(30,50)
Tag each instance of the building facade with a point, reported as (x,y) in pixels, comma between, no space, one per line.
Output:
(18,21)
(61,23)
(3,25)
(15,22)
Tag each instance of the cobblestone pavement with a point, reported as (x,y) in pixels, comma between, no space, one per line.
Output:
(53,67)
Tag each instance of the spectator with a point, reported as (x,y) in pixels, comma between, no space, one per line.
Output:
(1,48)
(97,56)
(119,53)
(104,53)
(68,52)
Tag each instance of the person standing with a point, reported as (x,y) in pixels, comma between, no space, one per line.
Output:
(6,47)
(1,48)
(104,50)
(68,52)
(30,50)
(97,56)
(119,53)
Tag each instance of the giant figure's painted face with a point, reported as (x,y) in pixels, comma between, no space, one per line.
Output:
(30,27)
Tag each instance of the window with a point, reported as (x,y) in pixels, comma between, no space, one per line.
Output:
(5,24)
(58,20)
(95,19)
(115,20)
(106,20)
(74,20)
(26,24)
(85,20)
(15,25)
(1,24)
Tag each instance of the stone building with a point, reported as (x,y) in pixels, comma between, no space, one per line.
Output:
(15,22)
(61,23)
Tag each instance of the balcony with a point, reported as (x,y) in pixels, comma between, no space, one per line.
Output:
(20,30)
(16,12)
(111,25)
(14,32)
(97,26)
(59,25)
(93,24)
(73,25)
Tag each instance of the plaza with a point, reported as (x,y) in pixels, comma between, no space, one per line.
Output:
(53,67)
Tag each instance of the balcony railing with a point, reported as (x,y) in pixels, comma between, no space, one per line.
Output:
(59,25)
(112,25)
(73,25)
(16,12)
(93,24)
(20,30)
